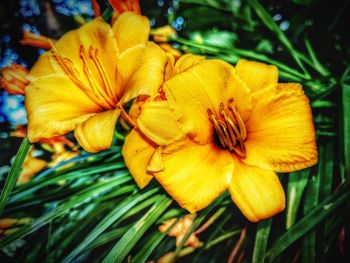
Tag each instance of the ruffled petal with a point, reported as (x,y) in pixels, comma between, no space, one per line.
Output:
(205,86)
(140,71)
(256,75)
(258,193)
(55,107)
(130,29)
(183,63)
(281,134)
(187,61)
(194,175)
(96,133)
(137,152)
(157,123)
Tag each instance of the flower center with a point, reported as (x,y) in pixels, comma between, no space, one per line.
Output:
(229,128)
(97,88)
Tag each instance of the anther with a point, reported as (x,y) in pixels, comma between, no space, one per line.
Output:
(230,129)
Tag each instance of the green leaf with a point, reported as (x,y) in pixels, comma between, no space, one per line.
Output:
(346,128)
(296,184)
(14,173)
(107,14)
(151,244)
(107,221)
(270,23)
(308,222)
(130,238)
(319,188)
(261,240)
(64,208)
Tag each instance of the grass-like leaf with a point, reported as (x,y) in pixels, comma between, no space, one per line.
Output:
(14,173)
(114,215)
(261,240)
(63,208)
(307,223)
(129,239)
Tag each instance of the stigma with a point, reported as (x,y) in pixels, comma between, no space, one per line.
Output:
(229,128)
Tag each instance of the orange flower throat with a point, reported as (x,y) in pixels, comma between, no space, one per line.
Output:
(229,128)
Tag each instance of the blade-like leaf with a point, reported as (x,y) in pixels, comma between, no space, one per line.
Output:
(127,242)
(14,173)
(261,240)
(308,222)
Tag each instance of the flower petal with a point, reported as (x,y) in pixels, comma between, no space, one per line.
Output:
(137,152)
(187,61)
(130,29)
(183,63)
(141,71)
(205,86)
(258,193)
(96,133)
(281,135)
(55,106)
(157,123)
(194,175)
(256,75)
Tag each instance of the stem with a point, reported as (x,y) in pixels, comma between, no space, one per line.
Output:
(237,246)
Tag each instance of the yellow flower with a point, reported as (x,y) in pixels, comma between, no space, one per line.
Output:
(223,128)
(14,79)
(83,82)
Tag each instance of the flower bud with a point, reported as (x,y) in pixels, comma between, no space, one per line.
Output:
(35,40)
(14,79)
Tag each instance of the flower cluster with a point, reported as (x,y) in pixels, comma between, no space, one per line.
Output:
(197,126)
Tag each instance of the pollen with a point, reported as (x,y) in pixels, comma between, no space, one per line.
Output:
(229,128)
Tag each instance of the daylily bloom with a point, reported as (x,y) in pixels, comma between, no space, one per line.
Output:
(223,128)
(14,79)
(83,82)
(36,40)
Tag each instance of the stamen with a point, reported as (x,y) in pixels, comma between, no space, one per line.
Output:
(242,128)
(230,136)
(104,100)
(217,128)
(72,73)
(106,85)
